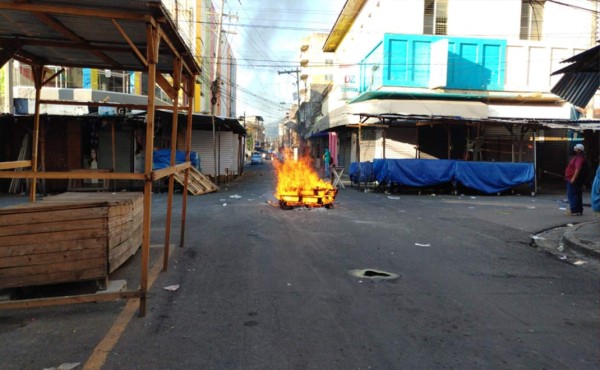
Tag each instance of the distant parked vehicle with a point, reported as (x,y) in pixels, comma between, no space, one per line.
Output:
(256,159)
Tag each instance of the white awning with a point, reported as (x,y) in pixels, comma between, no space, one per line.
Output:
(349,113)
(454,109)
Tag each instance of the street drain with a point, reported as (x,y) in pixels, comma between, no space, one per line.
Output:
(373,274)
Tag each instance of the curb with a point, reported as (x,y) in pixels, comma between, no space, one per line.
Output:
(575,239)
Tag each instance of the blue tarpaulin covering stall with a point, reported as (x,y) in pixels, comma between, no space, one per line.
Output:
(493,177)
(162,158)
(487,177)
(415,172)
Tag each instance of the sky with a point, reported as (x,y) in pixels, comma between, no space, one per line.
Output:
(266,39)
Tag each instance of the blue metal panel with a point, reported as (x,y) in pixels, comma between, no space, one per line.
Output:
(420,61)
(464,71)
(473,63)
(371,70)
(407,60)
(87,78)
(397,65)
(476,64)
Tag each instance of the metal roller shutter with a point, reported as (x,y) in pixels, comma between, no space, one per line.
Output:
(497,145)
(123,154)
(226,152)
(202,143)
(369,144)
(400,143)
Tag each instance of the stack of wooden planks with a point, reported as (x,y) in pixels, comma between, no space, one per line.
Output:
(68,238)
(198,183)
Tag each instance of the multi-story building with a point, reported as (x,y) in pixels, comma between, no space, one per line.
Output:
(197,23)
(450,71)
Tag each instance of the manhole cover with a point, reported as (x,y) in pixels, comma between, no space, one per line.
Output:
(373,274)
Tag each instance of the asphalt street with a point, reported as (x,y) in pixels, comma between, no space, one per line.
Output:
(456,285)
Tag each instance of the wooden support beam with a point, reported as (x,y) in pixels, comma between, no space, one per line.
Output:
(174,122)
(83,298)
(191,85)
(166,86)
(80,175)
(8,52)
(152,53)
(14,164)
(71,10)
(41,41)
(62,70)
(168,171)
(101,104)
(133,47)
(38,77)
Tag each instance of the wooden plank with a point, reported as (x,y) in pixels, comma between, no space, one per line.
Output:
(50,268)
(82,298)
(14,164)
(50,227)
(72,175)
(46,247)
(53,257)
(116,237)
(48,215)
(7,241)
(127,249)
(134,233)
(62,237)
(198,183)
(54,277)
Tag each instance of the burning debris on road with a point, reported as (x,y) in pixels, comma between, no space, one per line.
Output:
(298,184)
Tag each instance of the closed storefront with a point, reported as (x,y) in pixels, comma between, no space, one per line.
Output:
(123,156)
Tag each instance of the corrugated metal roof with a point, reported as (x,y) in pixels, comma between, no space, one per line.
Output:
(577,88)
(82,33)
(581,79)
(204,122)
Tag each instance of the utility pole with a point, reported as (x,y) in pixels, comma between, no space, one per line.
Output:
(216,85)
(297,72)
(214,88)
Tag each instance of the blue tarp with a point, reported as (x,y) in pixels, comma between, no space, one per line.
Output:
(493,177)
(487,177)
(415,172)
(162,158)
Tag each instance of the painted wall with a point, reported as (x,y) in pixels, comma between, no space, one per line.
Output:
(527,64)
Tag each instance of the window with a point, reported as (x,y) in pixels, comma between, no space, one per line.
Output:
(532,19)
(109,80)
(435,17)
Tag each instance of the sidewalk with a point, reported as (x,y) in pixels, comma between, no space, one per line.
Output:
(574,243)
(584,238)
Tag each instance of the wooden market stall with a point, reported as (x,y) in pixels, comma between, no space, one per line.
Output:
(129,35)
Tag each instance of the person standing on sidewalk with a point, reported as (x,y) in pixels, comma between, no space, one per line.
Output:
(595,193)
(575,180)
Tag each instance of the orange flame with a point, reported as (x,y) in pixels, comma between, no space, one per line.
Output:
(299,184)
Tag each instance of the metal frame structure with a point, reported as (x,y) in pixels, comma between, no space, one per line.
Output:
(133,35)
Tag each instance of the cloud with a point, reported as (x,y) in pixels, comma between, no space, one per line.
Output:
(267,41)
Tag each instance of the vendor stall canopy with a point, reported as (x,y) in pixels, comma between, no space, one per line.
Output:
(106,34)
